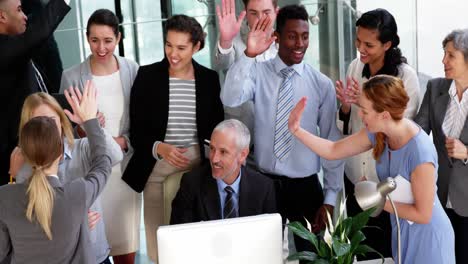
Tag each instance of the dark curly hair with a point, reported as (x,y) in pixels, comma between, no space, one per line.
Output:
(103,17)
(384,22)
(186,24)
(290,12)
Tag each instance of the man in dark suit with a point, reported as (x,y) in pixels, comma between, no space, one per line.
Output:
(225,188)
(18,44)
(47,58)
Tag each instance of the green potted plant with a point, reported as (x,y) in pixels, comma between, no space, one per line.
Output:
(340,243)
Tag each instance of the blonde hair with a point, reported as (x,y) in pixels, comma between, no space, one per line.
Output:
(387,93)
(33,101)
(41,145)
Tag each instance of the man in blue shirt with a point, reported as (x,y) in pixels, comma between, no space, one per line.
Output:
(275,86)
(224,188)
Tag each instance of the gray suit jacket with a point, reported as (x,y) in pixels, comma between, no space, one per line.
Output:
(70,240)
(453,173)
(80,73)
(76,163)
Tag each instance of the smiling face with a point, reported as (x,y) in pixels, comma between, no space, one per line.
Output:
(371,119)
(293,41)
(179,50)
(455,66)
(102,42)
(257,9)
(226,158)
(12,17)
(371,50)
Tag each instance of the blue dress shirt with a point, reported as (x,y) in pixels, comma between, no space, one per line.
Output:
(260,82)
(223,193)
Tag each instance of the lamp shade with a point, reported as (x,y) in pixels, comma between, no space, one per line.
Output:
(371,194)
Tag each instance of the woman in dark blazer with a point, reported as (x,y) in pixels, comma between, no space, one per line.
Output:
(174,106)
(444,113)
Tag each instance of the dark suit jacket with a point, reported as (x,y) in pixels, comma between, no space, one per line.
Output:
(47,58)
(198,197)
(452,173)
(17,75)
(149,110)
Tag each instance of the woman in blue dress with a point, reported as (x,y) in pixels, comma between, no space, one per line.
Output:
(400,147)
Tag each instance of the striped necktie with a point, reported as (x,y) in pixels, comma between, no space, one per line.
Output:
(40,81)
(230,205)
(283,137)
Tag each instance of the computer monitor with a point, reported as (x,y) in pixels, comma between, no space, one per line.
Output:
(243,240)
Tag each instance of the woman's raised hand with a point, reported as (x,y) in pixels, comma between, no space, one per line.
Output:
(294,122)
(84,105)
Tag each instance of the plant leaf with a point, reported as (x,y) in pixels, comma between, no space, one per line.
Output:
(298,229)
(323,249)
(345,226)
(360,220)
(303,255)
(363,249)
(356,239)
(321,261)
(340,248)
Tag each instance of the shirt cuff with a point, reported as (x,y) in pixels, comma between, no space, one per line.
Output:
(225,51)
(155,153)
(330,197)
(465,161)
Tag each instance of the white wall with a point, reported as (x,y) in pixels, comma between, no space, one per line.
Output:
(436,18)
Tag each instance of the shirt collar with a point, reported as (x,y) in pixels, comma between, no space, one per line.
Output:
(453,92)
(278,65)
(67,152)
(234,185)
(386,69)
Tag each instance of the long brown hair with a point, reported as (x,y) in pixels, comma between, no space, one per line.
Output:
(387,93)
(41,144)
(33,101)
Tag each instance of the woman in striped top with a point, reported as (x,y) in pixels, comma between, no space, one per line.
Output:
(174,106)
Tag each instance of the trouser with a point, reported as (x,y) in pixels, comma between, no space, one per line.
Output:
(298,199)
(379,231)
(460,228)
(155,194)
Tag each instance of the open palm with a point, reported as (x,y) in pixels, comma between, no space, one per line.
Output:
(294,121)
(84,105)
(229,25)
(259,38)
